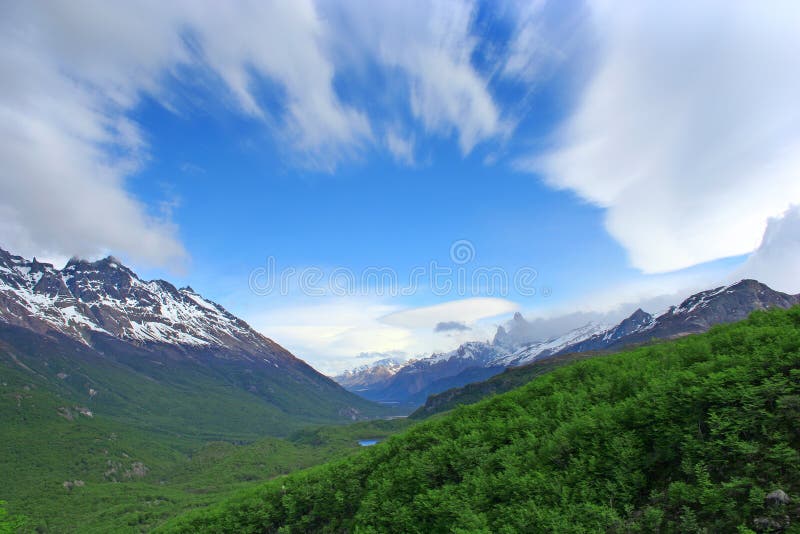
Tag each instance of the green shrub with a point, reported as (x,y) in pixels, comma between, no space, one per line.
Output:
(683,436)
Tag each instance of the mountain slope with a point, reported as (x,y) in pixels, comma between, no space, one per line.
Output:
(511,347)
(147,350)
(697,313)
(371,376)
(510,378)
(417,379)
(533,351)
(71,467)
(691,435)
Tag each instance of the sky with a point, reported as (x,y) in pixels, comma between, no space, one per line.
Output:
(357,179)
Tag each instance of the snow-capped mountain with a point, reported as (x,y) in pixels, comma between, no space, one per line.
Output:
(441,370)
(471,352)
(543,349)
(370,375)
(96,316)
(417,379)
(514,335)
(511,347)
(106,297)
(696,314)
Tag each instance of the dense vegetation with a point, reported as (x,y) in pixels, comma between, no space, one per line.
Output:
(684,436)
(206,398)
(9,524)
(511,378)
(66,471)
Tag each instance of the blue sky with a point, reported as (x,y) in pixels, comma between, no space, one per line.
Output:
(198,142)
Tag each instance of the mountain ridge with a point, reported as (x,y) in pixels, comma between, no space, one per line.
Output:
(508,349)
(100,321)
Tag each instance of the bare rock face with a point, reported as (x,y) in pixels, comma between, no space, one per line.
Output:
(776,518)
(777,498)
(137,470)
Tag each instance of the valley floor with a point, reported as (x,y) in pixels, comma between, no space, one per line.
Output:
(67,471)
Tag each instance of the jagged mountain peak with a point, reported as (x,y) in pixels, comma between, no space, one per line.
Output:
(513,333)
(697,313)
(88,298)
(542,349)
(637,319)
(725,300)
(103,265)
(370,374)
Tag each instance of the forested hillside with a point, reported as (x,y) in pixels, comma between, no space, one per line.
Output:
(693,435)
(511,378)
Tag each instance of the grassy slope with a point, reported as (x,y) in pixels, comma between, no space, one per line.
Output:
(210,399)
(684,436)
(45,441)
(511,378)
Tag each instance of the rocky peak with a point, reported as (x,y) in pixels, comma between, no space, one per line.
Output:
(8,260)
(697,313)
(632,323)
(513,334)
(369,375)
(105,296)
(727,304)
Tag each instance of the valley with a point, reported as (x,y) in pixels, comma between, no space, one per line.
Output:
(128,403)
(125,402)
(399,267)
(694,434)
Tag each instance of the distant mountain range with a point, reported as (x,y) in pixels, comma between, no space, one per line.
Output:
(126,347)
(371,375)
(411,383)
(476,361)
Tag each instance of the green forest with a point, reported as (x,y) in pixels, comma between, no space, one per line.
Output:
(691,435)
(62,471)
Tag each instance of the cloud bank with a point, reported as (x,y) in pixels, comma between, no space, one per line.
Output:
(776,262)
(688,131)
(75,72)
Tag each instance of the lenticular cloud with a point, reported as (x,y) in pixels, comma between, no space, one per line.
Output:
(689,137)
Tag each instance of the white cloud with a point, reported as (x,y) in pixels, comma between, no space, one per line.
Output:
(401,148)
(283,42)
(776,262)
(431,44)
(331,332)
(688,130)
(62,190)
(465,311)
(533,42)
(73,71)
